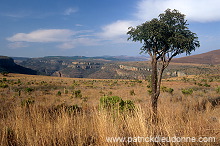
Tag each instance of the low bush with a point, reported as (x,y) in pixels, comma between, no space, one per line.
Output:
(3,85)
(217,89)
(187,91)
(28,90)
(115,103)
(59,93)
(77,93)
(168,90)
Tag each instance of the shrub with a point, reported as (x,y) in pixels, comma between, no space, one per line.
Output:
(127,105)
(3,85)
(149,91)
(199,84)
(59,93)
(77,93)
(206,85)
(115,103)
(29,90)
(165,89)
(170,90)
(217,89)
(187,91)
(19,81)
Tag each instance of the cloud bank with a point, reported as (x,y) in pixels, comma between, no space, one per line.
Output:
(68,39)
(195,10)
(44,35)
(116,31)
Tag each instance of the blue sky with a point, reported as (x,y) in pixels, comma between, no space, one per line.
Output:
(37,28)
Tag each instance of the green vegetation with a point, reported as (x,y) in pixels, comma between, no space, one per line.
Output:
(29,90)
(168,90)
(59,93)
(218,89)
(115,103)
(77,93)
(188,91)
(3,85)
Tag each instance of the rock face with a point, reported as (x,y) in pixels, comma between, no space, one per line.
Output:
(7,64)
(6,61)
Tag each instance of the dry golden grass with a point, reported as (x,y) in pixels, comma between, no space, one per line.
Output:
(23,122)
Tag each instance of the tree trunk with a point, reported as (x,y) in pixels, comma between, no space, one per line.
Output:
(154,95)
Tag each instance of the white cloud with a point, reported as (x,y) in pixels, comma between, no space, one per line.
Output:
(69,11)
(43,35)
(116,31)
(68,38)
(195,10)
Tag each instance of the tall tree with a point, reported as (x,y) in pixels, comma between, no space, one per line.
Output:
(163,38)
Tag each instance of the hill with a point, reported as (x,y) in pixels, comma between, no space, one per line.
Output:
(85,67)
(7,64)
(108,67)
(212,58)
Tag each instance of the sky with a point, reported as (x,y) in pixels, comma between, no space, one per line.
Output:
(37,28)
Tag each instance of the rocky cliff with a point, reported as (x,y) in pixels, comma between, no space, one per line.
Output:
(7,64)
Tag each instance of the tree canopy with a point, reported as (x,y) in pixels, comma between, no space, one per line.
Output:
(167,36)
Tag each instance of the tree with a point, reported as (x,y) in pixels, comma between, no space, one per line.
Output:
(163,39)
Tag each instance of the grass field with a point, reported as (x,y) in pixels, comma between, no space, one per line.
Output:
(42,110)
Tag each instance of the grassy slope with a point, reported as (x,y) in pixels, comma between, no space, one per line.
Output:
(40,124)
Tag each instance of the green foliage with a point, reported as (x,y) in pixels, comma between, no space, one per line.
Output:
(29,90)
(149,92)
(3,85)
(207,85)
(165,89)
(77,93)
(187,91)
(217,89)
(59,93)
(169,33)
(136,81)
(19,81)
(127,105)
(115,103)
(4,79)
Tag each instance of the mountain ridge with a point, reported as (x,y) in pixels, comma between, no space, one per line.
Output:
(211,57)
(7,64)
